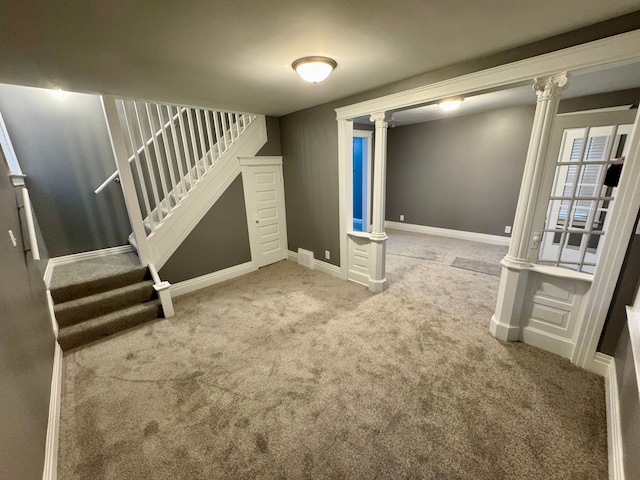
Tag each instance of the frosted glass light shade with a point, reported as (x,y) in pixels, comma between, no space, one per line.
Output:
(314,69)
(449,105)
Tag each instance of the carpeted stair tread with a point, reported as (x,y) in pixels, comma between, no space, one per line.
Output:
(98,284)
(82,333)
(84,308)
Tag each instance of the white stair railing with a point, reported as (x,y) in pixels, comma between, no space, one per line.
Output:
(163,152)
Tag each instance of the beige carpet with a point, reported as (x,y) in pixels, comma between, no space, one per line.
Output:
(289,373)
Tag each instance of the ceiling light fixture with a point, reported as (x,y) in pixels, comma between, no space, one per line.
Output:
(314,69)
(450,104)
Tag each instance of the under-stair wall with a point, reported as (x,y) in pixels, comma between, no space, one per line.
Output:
(172,179)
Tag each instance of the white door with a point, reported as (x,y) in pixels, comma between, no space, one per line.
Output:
(266,219)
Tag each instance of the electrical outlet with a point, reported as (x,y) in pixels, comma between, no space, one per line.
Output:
(507,229)
(327,255)
(402,218)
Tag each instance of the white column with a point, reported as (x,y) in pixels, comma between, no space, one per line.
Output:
(377,274)
(505,323)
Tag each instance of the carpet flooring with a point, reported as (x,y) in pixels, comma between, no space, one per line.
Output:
(288,373)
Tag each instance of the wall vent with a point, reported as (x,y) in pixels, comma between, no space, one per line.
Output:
(305,258)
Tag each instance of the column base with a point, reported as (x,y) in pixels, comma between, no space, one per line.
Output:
(504,331)
(378,286)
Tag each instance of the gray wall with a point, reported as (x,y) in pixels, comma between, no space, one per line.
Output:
(623,295)
(219,241)
(272,147)
(63,147)
(26,351)
(310,139)
(310,169)
(461,173)
(629,405)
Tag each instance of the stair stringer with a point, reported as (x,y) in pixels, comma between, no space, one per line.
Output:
(166,239)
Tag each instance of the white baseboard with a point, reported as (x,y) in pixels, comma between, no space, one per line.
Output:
(50,471)
(52,314)
(445,232)
(319,265)
(78,257)
(614,431)
(194,284)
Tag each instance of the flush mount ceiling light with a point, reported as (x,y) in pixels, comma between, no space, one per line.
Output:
(314,69)
(450,104)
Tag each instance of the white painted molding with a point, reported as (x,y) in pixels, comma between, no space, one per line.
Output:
(319,265)
(52,314)
(619,48)
(614,430)
(345,190)
(50,471)
(48,272)
(78,257)
(445,232)
(204,281)
(614,249)
(259,161)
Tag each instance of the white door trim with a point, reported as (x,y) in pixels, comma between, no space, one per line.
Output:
(622,48)
(367,135)
(614,249)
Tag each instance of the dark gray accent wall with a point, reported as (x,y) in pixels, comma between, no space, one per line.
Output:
(461,173)
(629,405)
(26,351)
(601,100)
(63,147)
(219,241)
(272,147)
(310,138)
(310,169)
(623,295)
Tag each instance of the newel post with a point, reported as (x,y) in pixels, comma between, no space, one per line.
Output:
(505,323)
(377,274)
(126,177)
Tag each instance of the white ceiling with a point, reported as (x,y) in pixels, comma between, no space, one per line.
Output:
(237,54)
(581,83)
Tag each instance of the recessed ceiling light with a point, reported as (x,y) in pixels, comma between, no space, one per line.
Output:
(314,69)
(450,104)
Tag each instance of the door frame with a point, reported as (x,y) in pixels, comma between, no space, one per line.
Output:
(367,136)
(246,163)
(618,49)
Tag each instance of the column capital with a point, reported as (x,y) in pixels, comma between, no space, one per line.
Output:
(381,119)
(548,87)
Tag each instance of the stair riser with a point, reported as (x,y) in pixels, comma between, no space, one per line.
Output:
(73,337)
(71,292)
(66,315)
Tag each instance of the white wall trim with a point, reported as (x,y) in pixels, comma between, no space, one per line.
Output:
(78,257)
(204,281)
(618,48)
(614,430)
(445,232)
(319,265)
(50,471)
(614,248)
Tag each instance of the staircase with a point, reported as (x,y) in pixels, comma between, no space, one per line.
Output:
(100,297)
(174,163)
